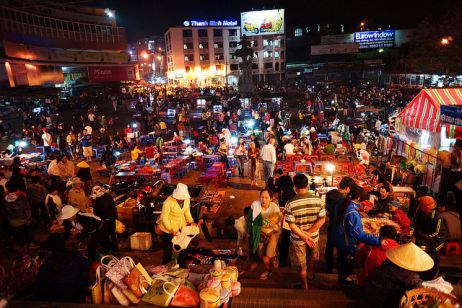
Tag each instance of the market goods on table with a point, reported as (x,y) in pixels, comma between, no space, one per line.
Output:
(373,225)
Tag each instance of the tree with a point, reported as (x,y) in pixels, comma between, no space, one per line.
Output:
(430,54)
(245,83)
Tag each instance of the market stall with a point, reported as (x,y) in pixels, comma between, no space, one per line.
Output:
(422,132)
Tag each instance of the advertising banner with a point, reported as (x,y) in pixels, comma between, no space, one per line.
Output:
(111,73)
(451,115)
(334,49)
(262,22)
(375,39)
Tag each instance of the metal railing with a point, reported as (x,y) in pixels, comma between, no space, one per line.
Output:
(16,21)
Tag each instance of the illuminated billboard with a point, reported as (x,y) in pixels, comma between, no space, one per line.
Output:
(262,22)
(375,39)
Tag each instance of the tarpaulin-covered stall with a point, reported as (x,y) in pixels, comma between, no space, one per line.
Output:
(423,136)
(423,112)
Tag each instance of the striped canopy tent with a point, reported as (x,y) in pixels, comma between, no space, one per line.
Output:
(423,112)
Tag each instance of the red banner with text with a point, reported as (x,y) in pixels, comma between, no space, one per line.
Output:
(111,73)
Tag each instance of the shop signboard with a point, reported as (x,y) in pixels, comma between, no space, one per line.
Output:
(111,73)
(211,23)
(334,49)
(262,22)
(451,115)
(375,39)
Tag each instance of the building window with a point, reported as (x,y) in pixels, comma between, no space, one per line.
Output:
(282,54)
(282,65)
(188,46)
(189,57)
(254,66)
(187,33)
(234,67)
(219,56)
(233,44)
(267,54)
(233,57)
(253,43)
(268,65)
(217,32)
(218,67)
(187,69)
(203,57)
(282,42)
(277,43)
(308,29)
(203,45)
(267,43)
(202,33)
(276,54)
(232,32)
(204,68)
(218,45)
(298,32)
(277,66)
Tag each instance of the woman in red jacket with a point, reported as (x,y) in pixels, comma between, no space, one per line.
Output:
(371,257)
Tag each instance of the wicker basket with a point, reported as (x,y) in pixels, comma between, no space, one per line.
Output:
(422,296)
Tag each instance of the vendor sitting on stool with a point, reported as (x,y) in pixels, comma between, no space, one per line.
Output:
(83,225)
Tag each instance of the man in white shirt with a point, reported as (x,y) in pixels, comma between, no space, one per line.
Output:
(378,124)
(47,141)
(67,168)
(268,155)
(289,148)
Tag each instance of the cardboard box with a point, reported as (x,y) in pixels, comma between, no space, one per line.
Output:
(125,213)
(141,241)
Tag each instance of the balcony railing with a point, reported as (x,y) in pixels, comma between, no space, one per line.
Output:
(24,27)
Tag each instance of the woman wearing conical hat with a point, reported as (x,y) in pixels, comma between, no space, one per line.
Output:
(399,273)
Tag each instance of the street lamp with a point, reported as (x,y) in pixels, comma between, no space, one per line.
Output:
(145,55)
(362,24)
(331,168)
(444,41)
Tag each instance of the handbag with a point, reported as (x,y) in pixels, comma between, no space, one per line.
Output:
(96,289)
(144,273)
(106,292)
(181,240)
(118,269)
(136,282)
(186,297)
(161,292)
(118,295)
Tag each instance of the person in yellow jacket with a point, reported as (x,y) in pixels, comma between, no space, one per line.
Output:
(175,215)
(136,153)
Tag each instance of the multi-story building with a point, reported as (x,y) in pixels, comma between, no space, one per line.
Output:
(202,52)
(149,53)
(43,42)
(202,55)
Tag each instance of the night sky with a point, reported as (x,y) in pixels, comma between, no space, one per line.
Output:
(153,17)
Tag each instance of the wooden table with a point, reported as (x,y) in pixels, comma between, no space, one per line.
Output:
(404,190)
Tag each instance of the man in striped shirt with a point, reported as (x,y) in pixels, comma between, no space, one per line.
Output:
(305,215)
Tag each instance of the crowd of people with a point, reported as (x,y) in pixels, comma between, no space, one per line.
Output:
(282,227)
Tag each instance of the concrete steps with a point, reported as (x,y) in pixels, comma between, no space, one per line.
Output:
(262,297)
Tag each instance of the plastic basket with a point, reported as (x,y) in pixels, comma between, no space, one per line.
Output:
(422,296)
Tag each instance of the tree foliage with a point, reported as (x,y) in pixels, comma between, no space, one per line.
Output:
(428,54)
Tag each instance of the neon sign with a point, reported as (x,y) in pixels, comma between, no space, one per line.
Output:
(211,23)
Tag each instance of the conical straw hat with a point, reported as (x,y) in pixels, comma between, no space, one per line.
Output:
(410,257)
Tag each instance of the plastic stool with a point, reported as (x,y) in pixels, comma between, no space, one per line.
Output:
(452,248)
